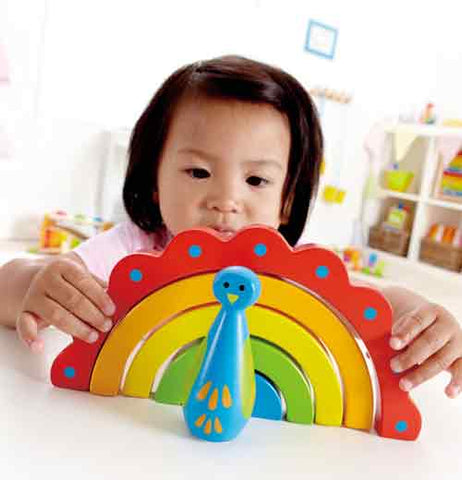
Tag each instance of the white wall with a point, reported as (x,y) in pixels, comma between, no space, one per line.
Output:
(79,68)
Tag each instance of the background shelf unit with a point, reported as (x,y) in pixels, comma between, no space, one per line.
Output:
(426,209)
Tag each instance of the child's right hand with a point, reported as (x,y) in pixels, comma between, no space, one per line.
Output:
(65,294)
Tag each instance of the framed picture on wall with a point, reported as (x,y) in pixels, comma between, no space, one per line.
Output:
(321,39)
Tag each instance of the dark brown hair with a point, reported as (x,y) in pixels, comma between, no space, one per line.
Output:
(234,78)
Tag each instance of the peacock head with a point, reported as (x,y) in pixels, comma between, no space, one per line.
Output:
(236,287)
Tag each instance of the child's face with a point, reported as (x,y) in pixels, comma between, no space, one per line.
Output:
(223,165)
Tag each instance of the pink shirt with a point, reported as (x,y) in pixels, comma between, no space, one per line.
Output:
(102,252)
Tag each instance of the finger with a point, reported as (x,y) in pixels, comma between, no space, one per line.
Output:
(100,282)
(434,365)
(399,324)
(455,385)
(64,320)
(411,325)
(427,344)
(74,301)
(86,283)
(27,328)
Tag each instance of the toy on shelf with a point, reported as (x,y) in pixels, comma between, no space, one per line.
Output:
(442,246)
(428,115)
(358,261)
(451,179)
(397,218)
(448,234)
(320,345)
(398,180)
(374,266)
(393,233)
(60,232)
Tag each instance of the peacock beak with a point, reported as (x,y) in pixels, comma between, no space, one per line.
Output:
(232,298)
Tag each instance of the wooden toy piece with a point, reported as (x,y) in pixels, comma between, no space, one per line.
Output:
(222,397)
(309,354)
(279,296)
(148,316)
(450,182)
(269,361)
(284,373)
(60,232)
(428,114)
(263,323)
(268,401)
(325,325)
(172,386)
(308,308)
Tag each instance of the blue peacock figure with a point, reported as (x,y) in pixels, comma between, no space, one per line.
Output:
(222,395)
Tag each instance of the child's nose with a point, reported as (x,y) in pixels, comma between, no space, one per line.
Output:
(225,197)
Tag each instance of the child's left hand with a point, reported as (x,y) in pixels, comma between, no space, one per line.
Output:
(433,338)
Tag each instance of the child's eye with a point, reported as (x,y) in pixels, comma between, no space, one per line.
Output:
(197,173)
(257,181)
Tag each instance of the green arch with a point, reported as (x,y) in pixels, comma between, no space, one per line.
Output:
(269,360)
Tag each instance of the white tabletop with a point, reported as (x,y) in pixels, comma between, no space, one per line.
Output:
(51,433)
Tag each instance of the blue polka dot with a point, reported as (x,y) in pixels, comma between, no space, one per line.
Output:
(69,372)
(370,313)
(195,251)
(322,271)
(136,275)
(260,249)
(401,426)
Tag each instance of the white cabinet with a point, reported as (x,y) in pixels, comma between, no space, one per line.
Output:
(421,199)
(109,203)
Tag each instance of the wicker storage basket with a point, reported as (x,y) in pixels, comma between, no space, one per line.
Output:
(441,254)
(389,240)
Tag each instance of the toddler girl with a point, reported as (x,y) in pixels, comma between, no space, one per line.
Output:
(224,143)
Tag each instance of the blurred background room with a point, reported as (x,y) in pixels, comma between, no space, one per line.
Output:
(386,78)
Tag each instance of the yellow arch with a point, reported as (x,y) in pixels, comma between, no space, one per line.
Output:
(156,310)
(325,325)
(263,323)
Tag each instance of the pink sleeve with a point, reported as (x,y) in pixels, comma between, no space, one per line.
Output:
(102,252)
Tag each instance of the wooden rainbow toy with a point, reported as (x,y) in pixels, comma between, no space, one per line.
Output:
(319,344)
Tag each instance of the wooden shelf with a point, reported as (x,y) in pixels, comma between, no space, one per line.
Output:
(444,204)
(413,197)
(425,130)
(422,159)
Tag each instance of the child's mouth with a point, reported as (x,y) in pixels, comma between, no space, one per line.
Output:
(224,232)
